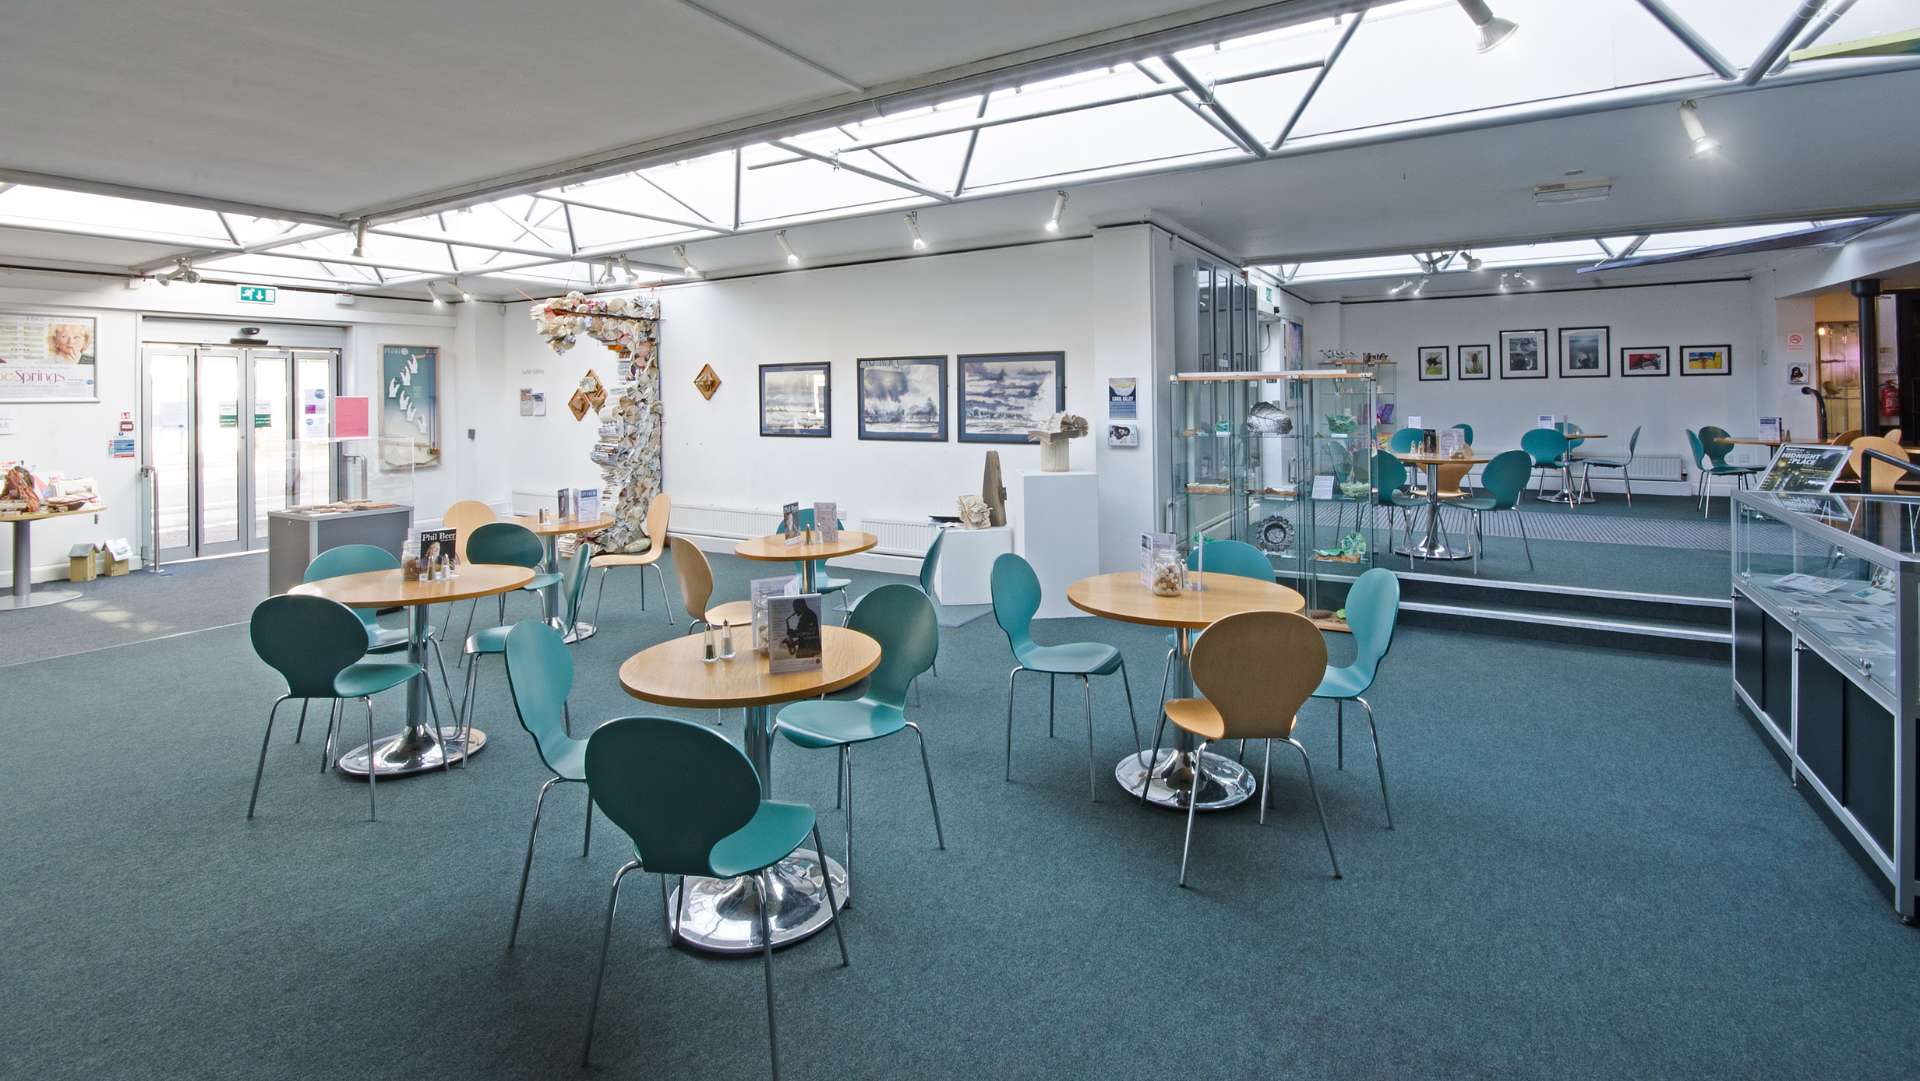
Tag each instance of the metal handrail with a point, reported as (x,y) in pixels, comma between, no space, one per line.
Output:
(152,556)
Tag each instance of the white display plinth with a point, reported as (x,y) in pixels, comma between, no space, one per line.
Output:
(1058,532)
(965,571)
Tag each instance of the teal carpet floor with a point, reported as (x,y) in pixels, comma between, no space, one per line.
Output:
(1584,883)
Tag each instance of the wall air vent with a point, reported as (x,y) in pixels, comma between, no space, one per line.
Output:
(1578,191)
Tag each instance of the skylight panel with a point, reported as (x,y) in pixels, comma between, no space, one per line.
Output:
(136,219)
(808,187)
(1372,266)
(702,186)
(1303,43)
(1156,130)
(1738,29)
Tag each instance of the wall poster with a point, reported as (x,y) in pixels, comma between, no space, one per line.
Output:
(409,406)
(47,358)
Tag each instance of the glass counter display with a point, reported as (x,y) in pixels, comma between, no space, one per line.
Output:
(1826,660)
(1283,461)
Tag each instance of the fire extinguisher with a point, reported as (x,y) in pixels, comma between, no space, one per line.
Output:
(1889,399)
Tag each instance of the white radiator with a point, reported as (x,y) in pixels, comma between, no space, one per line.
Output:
(1657,467)
(897,536)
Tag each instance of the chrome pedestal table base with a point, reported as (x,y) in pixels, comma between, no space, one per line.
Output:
(416,749)
(721,914)
(1170,778)
(579,632)
(1431,546)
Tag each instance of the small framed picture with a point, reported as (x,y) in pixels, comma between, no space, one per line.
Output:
(1706,360)
(1476,361)
(1523,354)
(796,400)
(1433,362)
(1646,360)
(1585,353)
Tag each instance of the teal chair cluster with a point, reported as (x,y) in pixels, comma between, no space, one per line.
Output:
(1710,456)
(1624,465)
(359,559)
(690,801)
(1504,478)
(1406,440)
(540,675)
(514,545)
(1548,449)
(319,647)
(901,619)
(492,641)
(1373,610)
(1016,597)
(823,582)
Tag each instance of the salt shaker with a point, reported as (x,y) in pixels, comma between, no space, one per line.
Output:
(726,640)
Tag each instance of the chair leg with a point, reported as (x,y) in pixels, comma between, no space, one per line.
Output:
(601,593)
(839,778)
(666,602)
(468,633)
(1051,680)
(1340,733)
(1266,787)
(606,939)
(373,811)
(846,766)
(1016,670)
(466,704)
(927,768)
(833,899)
(1524,543)
(445,683)
(1166,676)
(1127,685)
(1153,757)
(566,718)
(766,963)
(1479,539)
(526,866)
(1379,764)
(586,845)
(1093,776)
(301,730)
(261,768)
(1193,805)
(426,686)
(1315,789)
(326,747)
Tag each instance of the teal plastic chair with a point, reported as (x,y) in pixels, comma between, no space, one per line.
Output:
(1406,439)
(1390,490)
(1016,597)
(492,641)
(514,545)
(359,559)
(691,803)
(822,581)
(1548,448)
(540,675)
(1622,464)
(1233,557)
(1703,444)
(1373,609)
(318,645)
(901,619)
(1504,478)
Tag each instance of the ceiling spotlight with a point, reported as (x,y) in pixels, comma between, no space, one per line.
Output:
(182,272)
(793,257)
(606,271)
(1401,288)
(1059,207)
(359,240)
(913,226)
(1473,262)
(686,265)
(1492,31)
(437,302)
(465,296)
(1420,288)
(626,269)
(1703,144)
(1504,287)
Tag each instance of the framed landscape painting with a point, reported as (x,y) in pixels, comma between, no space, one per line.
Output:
(1523,354)
(1646,360)
(1585,352)
(1475,361)
(903,398)
(1706,360)
(1433,362)
(796,400)
(1003,396)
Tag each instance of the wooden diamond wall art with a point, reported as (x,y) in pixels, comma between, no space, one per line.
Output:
(707,381)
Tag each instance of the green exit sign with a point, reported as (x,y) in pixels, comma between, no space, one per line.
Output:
(258,294)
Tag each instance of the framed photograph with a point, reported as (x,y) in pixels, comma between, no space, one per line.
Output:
(1646,360)
(903,398)
(1523,354)
(796,400)
(1433,362)
(409,406)
(1585,352)
(1476,361)
(48,358)
(1003,396)
(1706,360)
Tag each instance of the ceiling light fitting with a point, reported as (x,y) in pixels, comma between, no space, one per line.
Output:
(1059,208)
(360,240)
(793,257)
(913,226)
(686,266)
(465,296)
(437,302)
(1493,31)
(1702,144)
(1473,261)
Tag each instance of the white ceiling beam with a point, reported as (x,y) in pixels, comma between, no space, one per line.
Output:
(1689,37)
(1236,130)
(753,35)
(1319,77)
(966,159)
(587,204)
(870,174)
(484,245)
(1814,33)
(1782,38)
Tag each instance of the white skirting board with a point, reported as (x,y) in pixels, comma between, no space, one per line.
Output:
(1058,532)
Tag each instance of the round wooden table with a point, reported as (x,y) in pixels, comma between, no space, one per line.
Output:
(720,915)
(1431,547)
(1170,778)
(416,749)
(773,548)
(23,595)
(550,532)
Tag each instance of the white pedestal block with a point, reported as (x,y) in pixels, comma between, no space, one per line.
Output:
(1059,533)
(965,571)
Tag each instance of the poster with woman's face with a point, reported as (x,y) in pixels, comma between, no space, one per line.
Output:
(47,358)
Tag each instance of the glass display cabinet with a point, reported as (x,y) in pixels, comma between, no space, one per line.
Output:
(1824,658)
(1283,461)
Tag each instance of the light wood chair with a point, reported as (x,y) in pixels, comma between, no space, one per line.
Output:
(463,518)
(659,513)
(1881,477)
(696,588)
(1256,670)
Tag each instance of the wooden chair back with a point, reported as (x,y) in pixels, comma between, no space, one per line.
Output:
(465,517)
(1258,669)
(696,577)
(1882,477)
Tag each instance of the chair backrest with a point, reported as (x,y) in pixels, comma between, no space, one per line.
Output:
(463,518)
(1373,609)
(930,563)
(1406,439)
(308,640)
(1693,445)
(1389,476)
(1016,597)
(1895,435)
(1466,432)
(1846,438)
(351,559)
(696,577)
(1633,442)
(577,584)
(508,543)
(1505,477)
(659,519)
(540,675)
(675,787)
(1233,557)
(902,620)
(1876,476)
(1546,445)
(1258,669)
(1710,442)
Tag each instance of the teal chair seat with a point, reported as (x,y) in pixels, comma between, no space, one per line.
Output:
(1343,682)
(543,580)
(774,831)
(488,640)
(1072,659)
(828,723)
(371,677)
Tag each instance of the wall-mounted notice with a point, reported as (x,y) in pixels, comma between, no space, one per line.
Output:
(350,417)
(316,413)
(47,358)
(1123,399)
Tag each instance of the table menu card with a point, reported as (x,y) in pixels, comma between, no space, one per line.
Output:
(758,592)
(826,521)
(563,502)
(793,638)
(587,502)
(790,523)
